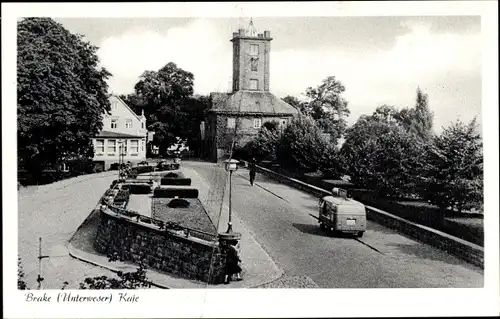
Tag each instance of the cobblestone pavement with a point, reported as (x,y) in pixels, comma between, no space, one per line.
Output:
(278,217)
(54,212)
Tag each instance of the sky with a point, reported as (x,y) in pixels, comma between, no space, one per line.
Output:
(380,60)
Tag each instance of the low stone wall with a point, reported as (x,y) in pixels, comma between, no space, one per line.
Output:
(160,249)
(453,245)
(458,247)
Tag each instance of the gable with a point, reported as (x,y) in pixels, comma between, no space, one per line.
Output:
(120,109)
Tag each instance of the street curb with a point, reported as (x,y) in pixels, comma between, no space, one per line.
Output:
(72,249)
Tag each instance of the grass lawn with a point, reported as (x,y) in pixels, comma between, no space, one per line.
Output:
(194,216)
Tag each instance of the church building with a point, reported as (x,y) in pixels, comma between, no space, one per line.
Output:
(242,112)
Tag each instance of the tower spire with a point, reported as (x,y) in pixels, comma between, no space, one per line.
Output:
(251,31)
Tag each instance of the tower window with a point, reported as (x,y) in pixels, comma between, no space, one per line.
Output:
(254,84)
(253,65)
(254,49)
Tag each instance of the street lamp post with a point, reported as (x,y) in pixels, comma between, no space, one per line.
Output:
(231,166)
(120,151)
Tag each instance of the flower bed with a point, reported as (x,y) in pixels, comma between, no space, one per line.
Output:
(192,215)
(122,198)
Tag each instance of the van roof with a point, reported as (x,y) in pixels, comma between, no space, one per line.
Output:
(341,201)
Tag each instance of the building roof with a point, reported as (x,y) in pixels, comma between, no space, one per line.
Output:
(109,134)
(250,102)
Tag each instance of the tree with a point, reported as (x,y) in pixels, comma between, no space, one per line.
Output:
(327,104)
(379,154)
(304,146)
(292,100)
(265,144)
(454,172)
(166,96)
(418,120)
(61,94)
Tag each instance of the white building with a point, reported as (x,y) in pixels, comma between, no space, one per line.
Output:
(123,130)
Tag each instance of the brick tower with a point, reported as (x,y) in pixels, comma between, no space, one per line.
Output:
(251,59)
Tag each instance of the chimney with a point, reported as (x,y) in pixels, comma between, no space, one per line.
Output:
(235,34)
(267,34)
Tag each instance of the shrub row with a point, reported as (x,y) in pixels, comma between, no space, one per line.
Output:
(171,192)
(143,188)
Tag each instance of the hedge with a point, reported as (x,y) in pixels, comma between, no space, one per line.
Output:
(176,181)
(172,192)
(143,188)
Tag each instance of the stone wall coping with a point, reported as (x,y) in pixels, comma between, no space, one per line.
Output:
(157,229)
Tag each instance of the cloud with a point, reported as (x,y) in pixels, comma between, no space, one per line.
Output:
(433,61)
(195,48)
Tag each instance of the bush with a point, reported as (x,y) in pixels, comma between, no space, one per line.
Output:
(172,192)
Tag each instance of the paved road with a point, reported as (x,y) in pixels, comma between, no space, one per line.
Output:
(54,212)
(279,218)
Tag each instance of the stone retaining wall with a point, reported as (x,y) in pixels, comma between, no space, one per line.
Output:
(163,250)
(467,251)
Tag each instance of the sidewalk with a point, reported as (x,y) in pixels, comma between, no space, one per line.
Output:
(258,267)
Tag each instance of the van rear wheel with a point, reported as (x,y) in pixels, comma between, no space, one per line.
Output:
(322,226)
(360,234)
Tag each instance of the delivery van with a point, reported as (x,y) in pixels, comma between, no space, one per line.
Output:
(340,213)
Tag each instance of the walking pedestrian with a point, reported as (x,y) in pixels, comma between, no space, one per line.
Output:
(252,170)
(232,263)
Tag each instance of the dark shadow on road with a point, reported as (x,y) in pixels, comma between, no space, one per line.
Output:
(316,230)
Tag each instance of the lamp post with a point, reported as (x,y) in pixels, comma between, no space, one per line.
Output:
(231,166)
(120,143)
